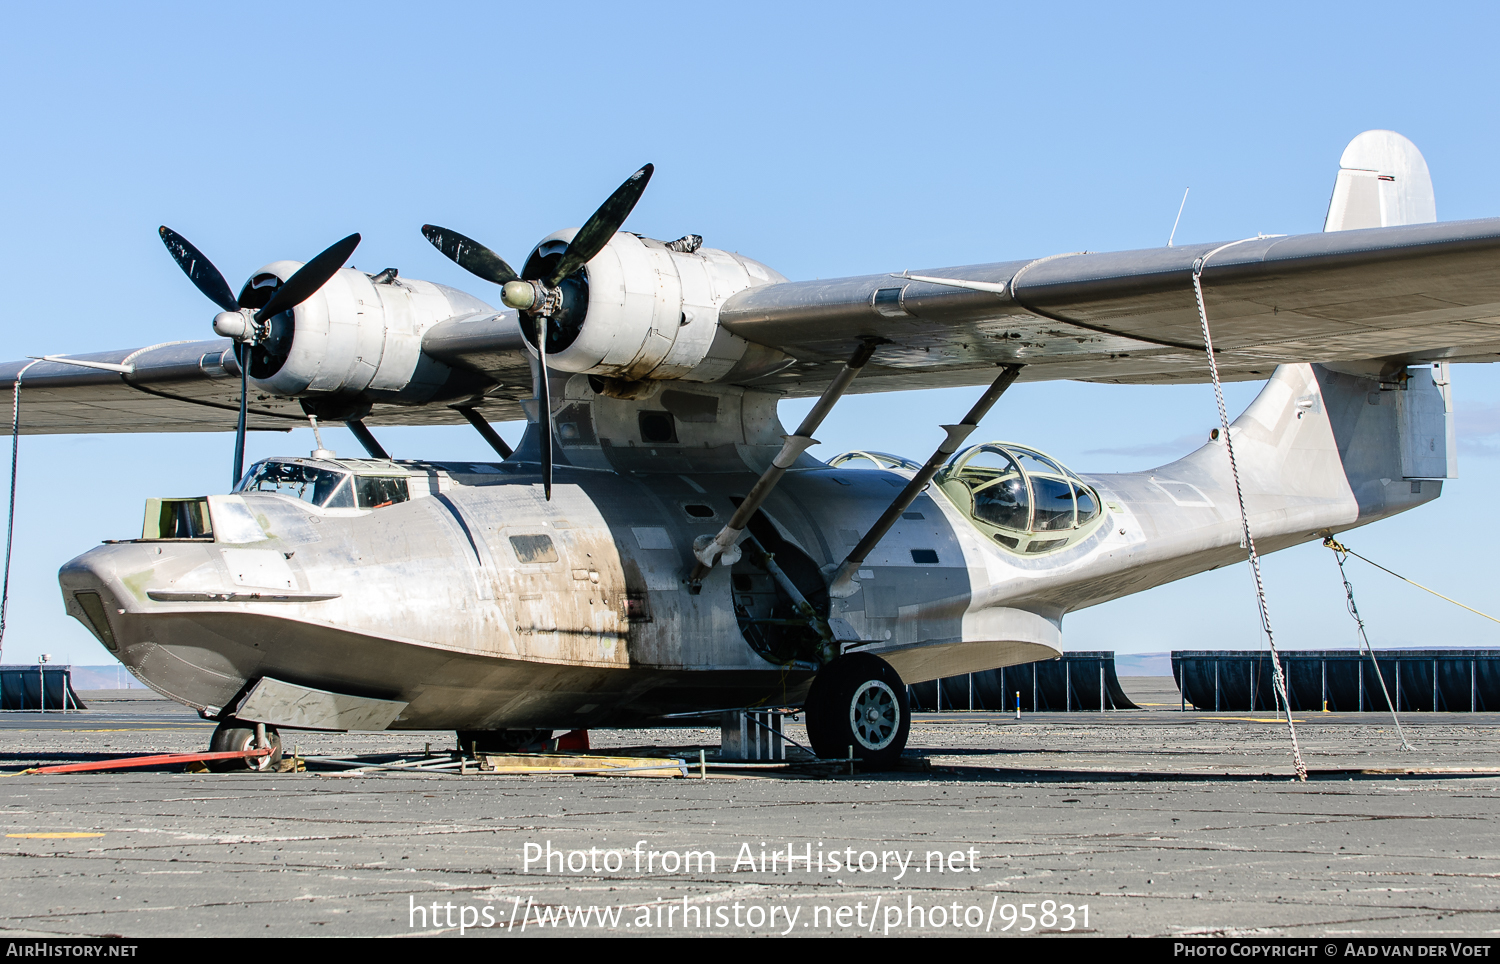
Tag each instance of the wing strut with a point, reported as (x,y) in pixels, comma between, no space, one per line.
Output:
(485,429)
(367,439)
(844,583)
(722,548)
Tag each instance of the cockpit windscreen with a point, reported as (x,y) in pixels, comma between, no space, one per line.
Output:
(319,486)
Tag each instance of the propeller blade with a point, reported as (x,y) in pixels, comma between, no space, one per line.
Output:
(239,432)
(309,278)
(199,269)
(544,407)
(601,226)
(470,255)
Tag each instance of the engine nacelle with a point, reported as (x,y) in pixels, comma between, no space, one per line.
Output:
(356,335)
(645,310)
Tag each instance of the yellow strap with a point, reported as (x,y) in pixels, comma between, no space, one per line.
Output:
(1337,547)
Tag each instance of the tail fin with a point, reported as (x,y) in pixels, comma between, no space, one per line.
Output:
(1384,438)
(1382,181)
(1317,451)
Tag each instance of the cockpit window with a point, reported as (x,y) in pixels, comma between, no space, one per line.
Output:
(1016,495)
(310,483)
(872,460)
(328,487)
(377,491)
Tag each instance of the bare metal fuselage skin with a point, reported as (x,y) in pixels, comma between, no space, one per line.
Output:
(443,602)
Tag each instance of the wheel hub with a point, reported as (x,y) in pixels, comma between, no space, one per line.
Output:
(875,715)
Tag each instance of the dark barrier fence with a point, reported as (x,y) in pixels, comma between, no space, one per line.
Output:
(1445,680)
(1075,682)
(23,687)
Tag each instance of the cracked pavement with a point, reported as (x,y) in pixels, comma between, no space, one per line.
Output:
(1162,823)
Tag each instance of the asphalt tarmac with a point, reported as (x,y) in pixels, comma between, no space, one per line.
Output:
(1152,822)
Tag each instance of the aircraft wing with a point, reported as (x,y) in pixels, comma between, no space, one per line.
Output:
(1364,299)
(194,386)
(1405,295)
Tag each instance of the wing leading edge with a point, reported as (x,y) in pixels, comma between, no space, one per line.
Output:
(1370,298)
(193,386)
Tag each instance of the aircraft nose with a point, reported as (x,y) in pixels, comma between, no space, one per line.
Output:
(110,590)
(91,594)
(106,585)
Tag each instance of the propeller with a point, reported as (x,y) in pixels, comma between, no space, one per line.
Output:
(247,326)
(541,298)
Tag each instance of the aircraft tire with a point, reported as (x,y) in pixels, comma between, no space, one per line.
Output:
(235,735)
(859,701)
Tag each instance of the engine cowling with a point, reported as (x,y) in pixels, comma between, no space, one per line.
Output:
(356,335)
(643,310)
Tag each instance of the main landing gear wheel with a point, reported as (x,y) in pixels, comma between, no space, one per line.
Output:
(237,736)
(859,701)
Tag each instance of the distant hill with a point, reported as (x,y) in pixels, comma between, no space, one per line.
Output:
(1141,664)
(114,677)
(1160,664)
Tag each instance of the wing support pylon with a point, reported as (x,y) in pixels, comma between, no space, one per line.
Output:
(844,583)
(722,547)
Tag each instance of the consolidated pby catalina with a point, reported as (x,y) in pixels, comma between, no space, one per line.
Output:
(658,545)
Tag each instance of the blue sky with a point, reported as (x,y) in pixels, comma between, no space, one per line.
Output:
(823,139)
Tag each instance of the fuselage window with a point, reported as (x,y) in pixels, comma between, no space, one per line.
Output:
(1003,502)
(1088,506)
(657,427)
(1054,503)
(999,490)
(534,548)
(1021,493)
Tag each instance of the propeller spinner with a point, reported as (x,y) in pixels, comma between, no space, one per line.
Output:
(249,326)
(541,298)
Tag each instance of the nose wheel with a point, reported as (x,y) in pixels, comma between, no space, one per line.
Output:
(238,736)
(859,701)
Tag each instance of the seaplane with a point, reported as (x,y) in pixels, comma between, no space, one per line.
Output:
(658,547)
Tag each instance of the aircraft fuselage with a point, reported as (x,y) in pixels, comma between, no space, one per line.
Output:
(480,605)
